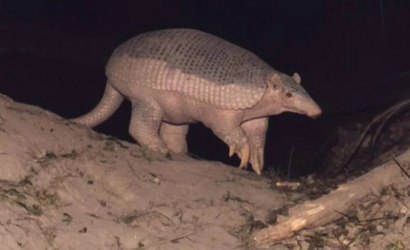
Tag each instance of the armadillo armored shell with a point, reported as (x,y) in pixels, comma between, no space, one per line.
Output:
(193,63)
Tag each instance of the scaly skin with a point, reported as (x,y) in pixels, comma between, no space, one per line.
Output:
(174,137)
(166,99)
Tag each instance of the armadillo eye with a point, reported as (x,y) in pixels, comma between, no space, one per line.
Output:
(275,86)
(288,95)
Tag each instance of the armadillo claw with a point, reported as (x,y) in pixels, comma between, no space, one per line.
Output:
(257,168)
(257,160)
(258,171)
(232,149)
(244,155)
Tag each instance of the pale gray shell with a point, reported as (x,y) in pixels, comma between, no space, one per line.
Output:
(213,70)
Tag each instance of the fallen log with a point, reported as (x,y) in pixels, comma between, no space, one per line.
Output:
(337,203)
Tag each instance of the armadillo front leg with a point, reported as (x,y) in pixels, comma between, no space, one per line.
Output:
(174,137)
(256,133)
(145,122)
(236,139)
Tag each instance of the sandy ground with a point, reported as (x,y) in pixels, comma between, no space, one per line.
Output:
(63,186)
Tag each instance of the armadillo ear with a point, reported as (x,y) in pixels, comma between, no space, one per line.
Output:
(296,77)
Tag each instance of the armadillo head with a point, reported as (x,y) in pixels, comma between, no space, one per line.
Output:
(290,96)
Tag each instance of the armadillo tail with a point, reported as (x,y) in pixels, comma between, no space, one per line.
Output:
(108,104)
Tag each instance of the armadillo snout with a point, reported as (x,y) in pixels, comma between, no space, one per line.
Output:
(314,112)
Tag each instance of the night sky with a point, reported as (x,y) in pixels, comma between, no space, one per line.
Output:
(353,56)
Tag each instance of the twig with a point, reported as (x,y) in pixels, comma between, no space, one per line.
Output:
(401,167)
(383,118)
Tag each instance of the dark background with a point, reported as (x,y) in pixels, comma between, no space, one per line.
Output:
(353,56)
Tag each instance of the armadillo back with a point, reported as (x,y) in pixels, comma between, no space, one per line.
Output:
(194,63)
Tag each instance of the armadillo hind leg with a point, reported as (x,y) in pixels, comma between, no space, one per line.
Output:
(108,104)
(174,137)
(255,131)
(236,140)
(145,122)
